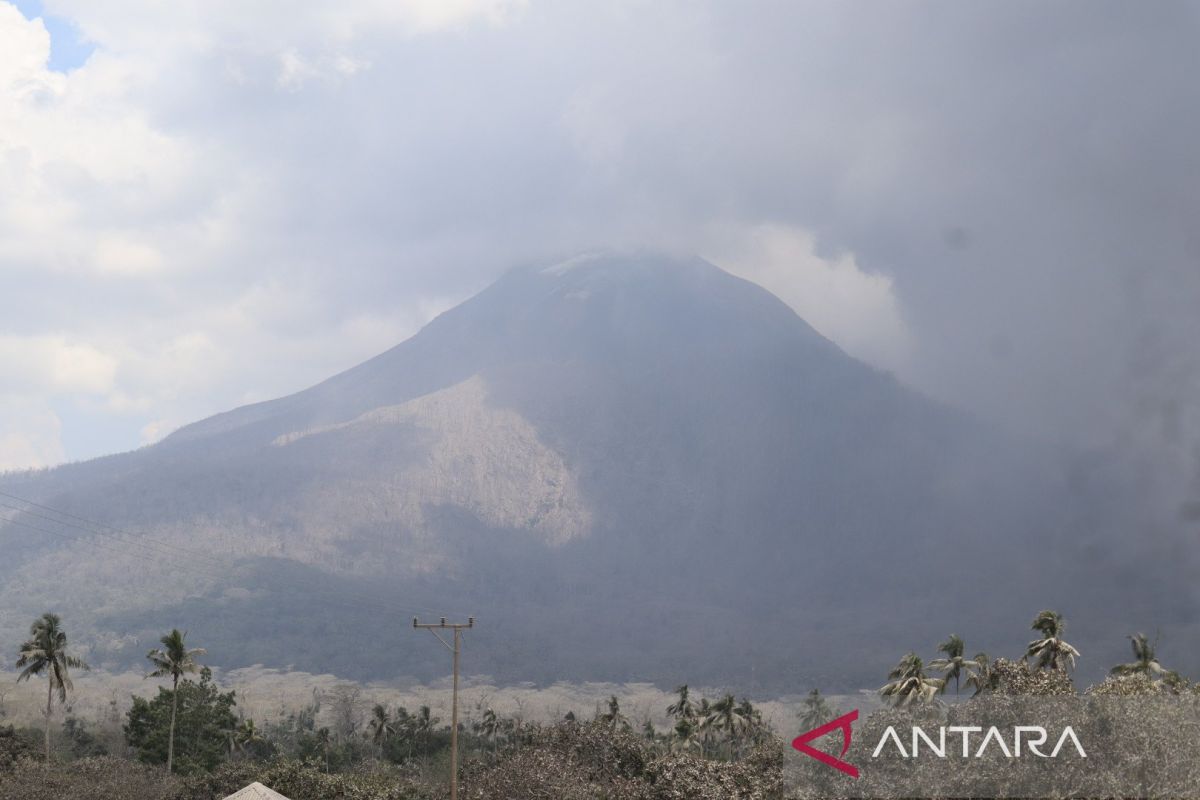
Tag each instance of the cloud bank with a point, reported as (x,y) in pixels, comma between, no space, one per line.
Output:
(229,202)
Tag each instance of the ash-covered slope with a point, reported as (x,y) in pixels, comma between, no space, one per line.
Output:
(627,467)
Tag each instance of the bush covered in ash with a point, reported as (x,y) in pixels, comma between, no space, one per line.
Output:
(592,761)
(1138,685)
(684,777)
(13,748)
(92,778)
(1018,678)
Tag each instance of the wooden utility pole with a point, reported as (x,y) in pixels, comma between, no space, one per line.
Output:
(458,628)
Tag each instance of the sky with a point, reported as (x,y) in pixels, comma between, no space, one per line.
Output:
(204,204)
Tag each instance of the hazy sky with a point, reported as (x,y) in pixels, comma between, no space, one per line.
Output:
(206,202)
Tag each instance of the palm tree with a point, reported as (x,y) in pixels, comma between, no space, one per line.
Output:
(246,735)
(816,711)
(757,730)
(489,726)
(953,664)
(683,708)
(908,684)
(1051,651)
(404,726)
(325,743)
(703,712)
(613,718)
(46,651)
(723,716)
(423,724)
(979,673)
(685,736)
(380,726)
(1145,661)
(176,660)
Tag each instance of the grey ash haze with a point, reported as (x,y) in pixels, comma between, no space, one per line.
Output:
(204,206)
(631,467)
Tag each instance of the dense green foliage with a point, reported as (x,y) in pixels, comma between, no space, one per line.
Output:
(13,748)
(205,719)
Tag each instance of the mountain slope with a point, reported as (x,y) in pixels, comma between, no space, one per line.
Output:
(626,467)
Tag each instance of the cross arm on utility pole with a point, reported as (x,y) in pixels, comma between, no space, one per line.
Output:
(433,627)
(458,628)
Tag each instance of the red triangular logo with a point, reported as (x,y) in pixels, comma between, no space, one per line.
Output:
(842,723)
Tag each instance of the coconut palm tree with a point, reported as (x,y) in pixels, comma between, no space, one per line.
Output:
(46,652)
(381,726)
(683,708)
(953,664)
(816,711)
(613,718)
(1051,651)
(489,726)
(684,738)
(325,743)
(173,659)
(1145,661)
(723,716)
(246,735)
(703,712)
(423,724)
(757,730)
(979,673)
(908,683)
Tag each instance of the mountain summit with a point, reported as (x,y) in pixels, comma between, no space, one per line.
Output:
(627,467)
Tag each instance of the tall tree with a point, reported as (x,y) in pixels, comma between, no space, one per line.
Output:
(683,708)
(1051,651)
(613,718)
(173,659)
(757,730)
(724,716)
(953,664)
(684,737)
(1145,660)
(381,726)
(246,737)
(703,712)
(908,684)
(979,673)
(489,726)
(46,652)
(816,711)
(423,724)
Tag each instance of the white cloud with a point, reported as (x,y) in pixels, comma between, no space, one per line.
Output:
(231,200)
(30,435)
(117,255)
(54,364)
(857,310)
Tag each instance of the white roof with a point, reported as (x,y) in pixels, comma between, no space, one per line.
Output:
(256,791)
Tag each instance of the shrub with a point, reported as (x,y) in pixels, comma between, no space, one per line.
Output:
(593,762)
(13,748)
(92,778)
